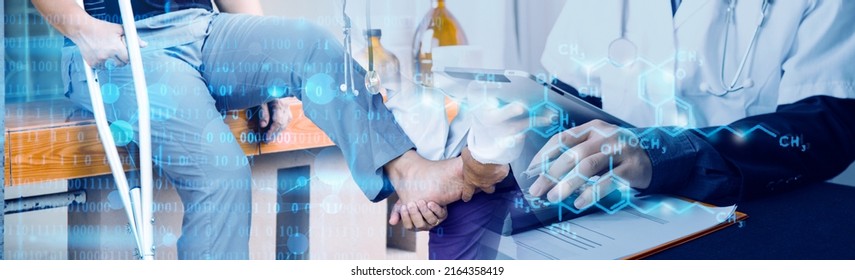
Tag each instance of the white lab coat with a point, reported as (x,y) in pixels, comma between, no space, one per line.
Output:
(805,48)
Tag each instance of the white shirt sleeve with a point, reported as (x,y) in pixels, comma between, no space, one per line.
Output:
(822,55)
(421,114)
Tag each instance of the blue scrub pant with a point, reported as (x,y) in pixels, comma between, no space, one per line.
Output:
(197,66)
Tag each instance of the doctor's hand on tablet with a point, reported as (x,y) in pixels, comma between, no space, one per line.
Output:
(571,159)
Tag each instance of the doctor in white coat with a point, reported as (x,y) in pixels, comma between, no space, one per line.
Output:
(686,64)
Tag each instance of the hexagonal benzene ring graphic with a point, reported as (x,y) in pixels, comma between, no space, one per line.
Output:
(547,109)
(546,162)
(684,114)
(671,130)
(567,203)
(617,196)
(656,87)
(478,93)
(652,203)
(428,100)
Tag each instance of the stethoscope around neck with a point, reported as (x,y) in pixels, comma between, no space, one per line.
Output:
(623,52)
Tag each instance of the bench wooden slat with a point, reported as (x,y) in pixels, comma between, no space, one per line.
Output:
(43,144)
(301,134)
(57,153)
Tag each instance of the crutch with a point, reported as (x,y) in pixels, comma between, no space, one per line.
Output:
(137,201)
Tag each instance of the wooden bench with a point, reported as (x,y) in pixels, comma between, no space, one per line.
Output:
(55,140)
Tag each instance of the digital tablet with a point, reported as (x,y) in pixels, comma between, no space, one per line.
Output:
(520,86)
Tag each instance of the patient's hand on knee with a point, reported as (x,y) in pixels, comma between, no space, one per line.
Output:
(275,117)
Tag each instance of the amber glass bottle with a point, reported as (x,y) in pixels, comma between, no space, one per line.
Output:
(438,28)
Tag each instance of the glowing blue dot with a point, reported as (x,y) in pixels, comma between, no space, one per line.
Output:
(110,64)
(330,167)
(115,200)
(300,183)
(123,132)
(110,93)
(298,243)
(277,88)
(319,89)
(168,240)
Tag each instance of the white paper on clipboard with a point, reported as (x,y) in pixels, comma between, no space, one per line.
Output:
(619,235)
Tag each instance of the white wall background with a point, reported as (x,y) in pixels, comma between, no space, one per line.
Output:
(483,21)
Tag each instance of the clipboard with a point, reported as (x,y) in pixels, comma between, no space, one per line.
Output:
(625,234)
(737,218)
